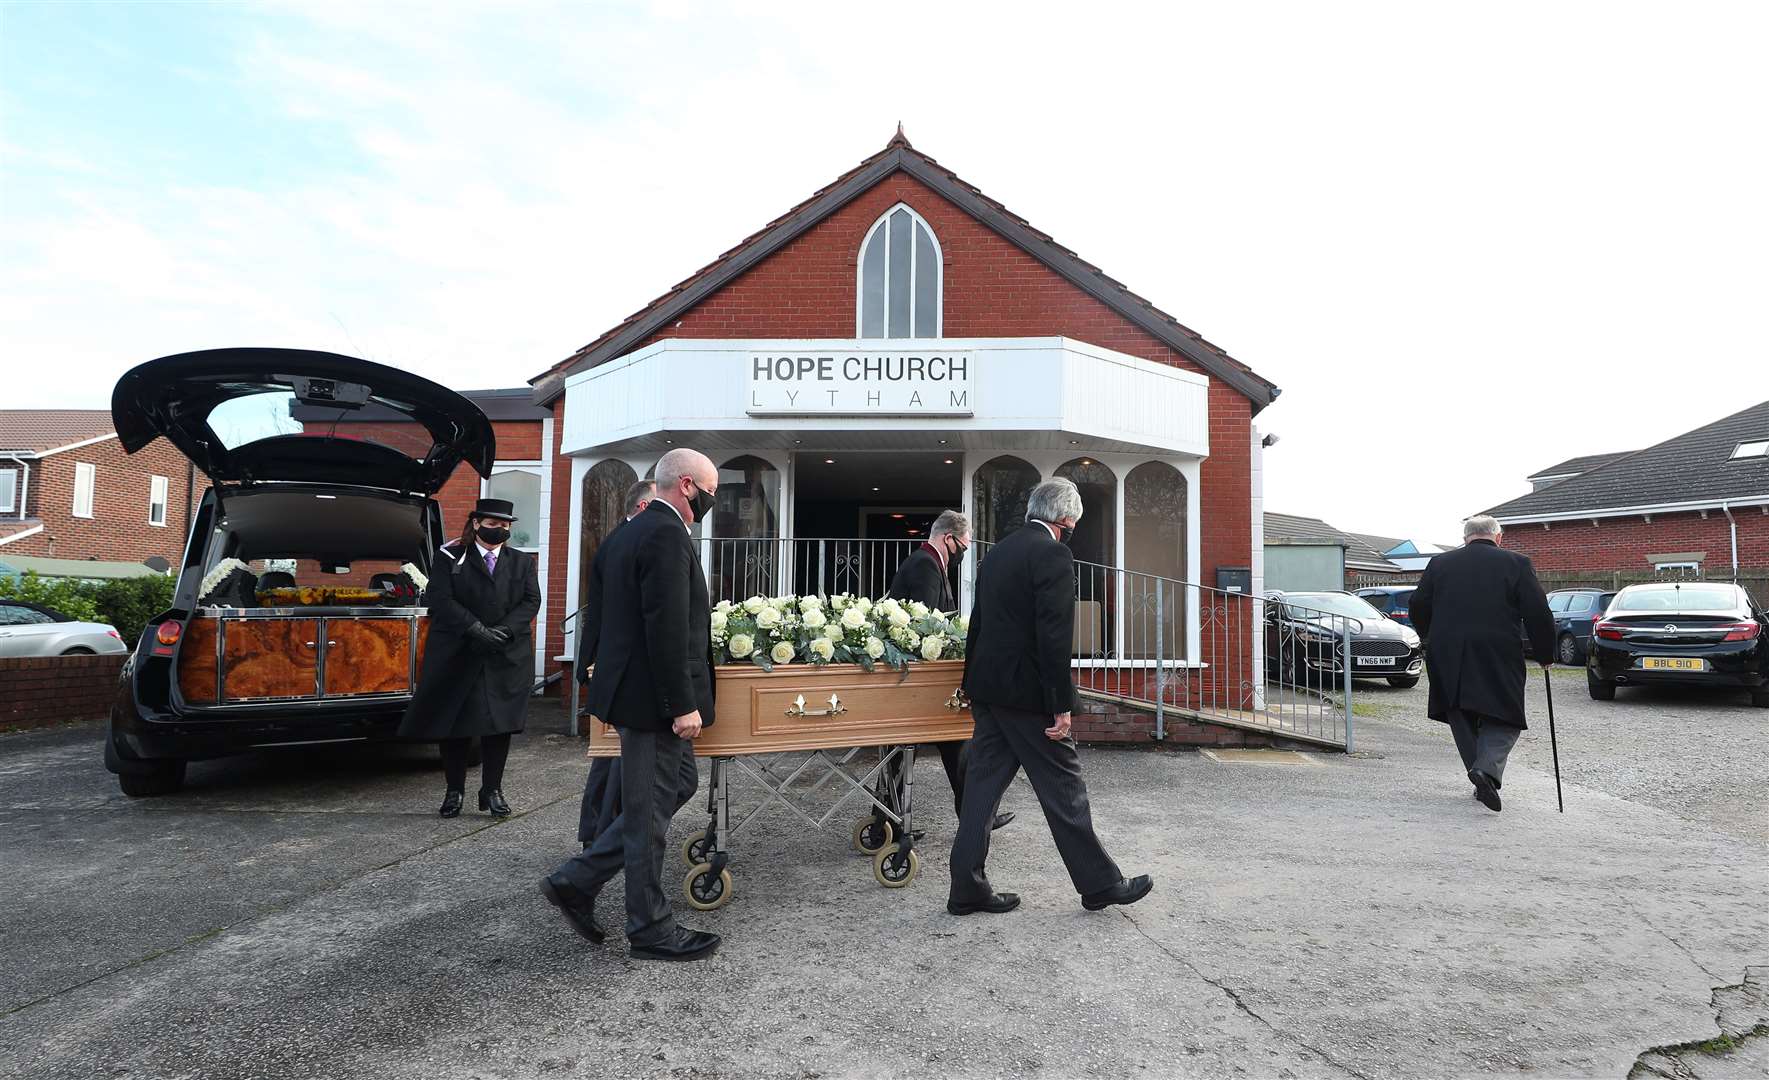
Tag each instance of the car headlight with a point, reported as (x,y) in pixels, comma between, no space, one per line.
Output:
(1409,635)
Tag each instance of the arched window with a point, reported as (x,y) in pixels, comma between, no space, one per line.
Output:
(1096,535)
(746,528)
(604,499)
(899,289)
(998,492)
(1155,544)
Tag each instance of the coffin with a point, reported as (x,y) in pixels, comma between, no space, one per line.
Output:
(239,655)
(762,712)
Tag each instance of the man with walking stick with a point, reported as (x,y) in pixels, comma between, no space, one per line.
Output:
(1468,607)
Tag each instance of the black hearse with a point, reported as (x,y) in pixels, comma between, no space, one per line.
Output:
(295,619)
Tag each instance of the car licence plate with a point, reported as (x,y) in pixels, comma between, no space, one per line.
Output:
(1376,661)
(1673,663)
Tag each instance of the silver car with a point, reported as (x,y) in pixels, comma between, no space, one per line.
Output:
(33,630)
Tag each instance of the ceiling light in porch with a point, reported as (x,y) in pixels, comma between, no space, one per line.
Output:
(829,461)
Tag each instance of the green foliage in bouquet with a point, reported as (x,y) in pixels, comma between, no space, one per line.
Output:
(842,629)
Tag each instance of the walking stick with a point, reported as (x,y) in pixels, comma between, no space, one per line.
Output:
(1548,682)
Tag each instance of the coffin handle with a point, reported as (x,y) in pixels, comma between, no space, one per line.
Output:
(797,708)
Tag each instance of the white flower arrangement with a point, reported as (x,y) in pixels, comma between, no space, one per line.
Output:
(415,576)
(841,629)
(213,579)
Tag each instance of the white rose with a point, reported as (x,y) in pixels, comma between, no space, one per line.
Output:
(899,617)
(755,604)
(722,605)
(813,618)
(840,601)
(718,620)
(932,646)
(864,605)
(853,618)
(917,608)
(781,653)
(767,619)
(963,624)
(822,649)
(741,645)
(806,603)
(833,632)
(874,648)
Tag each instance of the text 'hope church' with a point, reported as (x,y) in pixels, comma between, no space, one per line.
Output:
(889,383)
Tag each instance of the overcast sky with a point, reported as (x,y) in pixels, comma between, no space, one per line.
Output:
(1466,240)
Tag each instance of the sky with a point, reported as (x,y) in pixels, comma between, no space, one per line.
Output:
(1467,241)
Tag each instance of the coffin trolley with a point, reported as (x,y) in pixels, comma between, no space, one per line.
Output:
(799,730)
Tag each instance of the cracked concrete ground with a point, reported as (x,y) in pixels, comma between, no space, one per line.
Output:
(310,917)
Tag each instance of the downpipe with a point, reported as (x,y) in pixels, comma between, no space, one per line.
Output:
(1726,508)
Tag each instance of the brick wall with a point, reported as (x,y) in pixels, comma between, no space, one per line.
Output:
(1622,544)
(1102,722)
(39,691)
(118,529)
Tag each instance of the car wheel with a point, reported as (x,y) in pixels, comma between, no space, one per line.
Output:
(1568,649)
(1601,689)
(1760,697)
(77,650)
(164,778)
(1404,682)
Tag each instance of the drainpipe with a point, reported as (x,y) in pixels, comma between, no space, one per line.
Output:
(1726,508)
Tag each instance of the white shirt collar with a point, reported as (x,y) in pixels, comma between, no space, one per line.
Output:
(485,551)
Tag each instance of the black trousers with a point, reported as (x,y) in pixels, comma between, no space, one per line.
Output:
(951,756)
(1005,741)
(1483,743)
(658,777)
(601,802)
(494,750)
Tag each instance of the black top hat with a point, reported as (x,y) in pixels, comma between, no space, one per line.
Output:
(501,509)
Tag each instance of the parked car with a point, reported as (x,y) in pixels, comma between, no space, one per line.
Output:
(33,630)
(1391,600)
(1698,633)
(1575,612)
(295,617)
(1304,646)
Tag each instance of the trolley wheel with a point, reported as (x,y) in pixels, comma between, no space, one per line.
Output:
(694,849)
(894,869)
(872,835)
(705,890)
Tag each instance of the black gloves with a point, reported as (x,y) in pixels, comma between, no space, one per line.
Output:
(491,637)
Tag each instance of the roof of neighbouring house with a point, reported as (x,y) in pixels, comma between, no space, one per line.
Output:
(96,569)
(38,431)
(1695,468)
(1283,529)
(899,156)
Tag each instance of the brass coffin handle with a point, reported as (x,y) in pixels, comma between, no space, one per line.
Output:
(797,708)
(957,700)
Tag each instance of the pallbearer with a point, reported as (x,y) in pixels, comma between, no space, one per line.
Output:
(479,660)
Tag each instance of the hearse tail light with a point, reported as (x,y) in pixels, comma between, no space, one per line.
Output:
(1609,631)
(1743,631)
(166,637)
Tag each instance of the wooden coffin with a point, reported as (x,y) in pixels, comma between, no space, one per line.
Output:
(231,656)
(761,712)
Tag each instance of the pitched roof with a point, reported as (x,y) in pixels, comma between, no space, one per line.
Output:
(1296,529)
(899,156)
(1574,466)
(40,430)
(1694,468)
(1382,544)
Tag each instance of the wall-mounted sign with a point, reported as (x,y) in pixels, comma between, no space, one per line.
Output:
(861,384)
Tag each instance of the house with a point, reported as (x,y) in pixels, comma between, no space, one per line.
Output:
(896,344)
(1304,554)
(70,496)
(1695,505)
(1570,468)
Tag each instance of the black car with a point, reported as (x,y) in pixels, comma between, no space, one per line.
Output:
(1575,612)
(1391,600)
(295,617)
(1304,645)
(1696,633)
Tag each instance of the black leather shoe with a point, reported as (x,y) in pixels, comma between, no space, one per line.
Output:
(578,909)
(1125,892)
(1001,820)
(1484,790)
(995,904)
(684,945)
(451,803)
(492,802)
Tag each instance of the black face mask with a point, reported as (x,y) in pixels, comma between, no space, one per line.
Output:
(492,535)
(701,503)
(1064,533)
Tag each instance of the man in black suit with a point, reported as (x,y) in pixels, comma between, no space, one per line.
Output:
(1467,607)
(925,576)
(653,681)
(1016,674)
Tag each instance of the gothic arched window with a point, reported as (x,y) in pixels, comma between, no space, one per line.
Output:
(899,287)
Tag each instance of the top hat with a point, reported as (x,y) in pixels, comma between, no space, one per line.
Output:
(499,509)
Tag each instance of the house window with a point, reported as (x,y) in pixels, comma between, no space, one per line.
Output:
(8,491)
(1678,570)
(85,476)
(522,486)
(156,501)
(899,287)
(1757,449)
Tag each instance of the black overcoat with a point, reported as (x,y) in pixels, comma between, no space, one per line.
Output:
(653,644)
(1022,625)
(1467,607)
(465,688)
(921,578)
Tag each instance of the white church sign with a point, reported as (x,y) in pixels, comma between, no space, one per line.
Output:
(861,384)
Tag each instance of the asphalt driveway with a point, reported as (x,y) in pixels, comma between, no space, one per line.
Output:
(310,916)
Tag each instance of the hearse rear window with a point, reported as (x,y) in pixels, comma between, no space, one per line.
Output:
(279,548)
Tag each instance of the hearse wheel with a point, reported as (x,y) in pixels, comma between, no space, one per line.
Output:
(706,890)
(164,778)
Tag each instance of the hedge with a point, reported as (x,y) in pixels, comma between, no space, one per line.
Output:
(125,603)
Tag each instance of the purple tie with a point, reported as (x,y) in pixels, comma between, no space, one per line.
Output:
(491,562)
